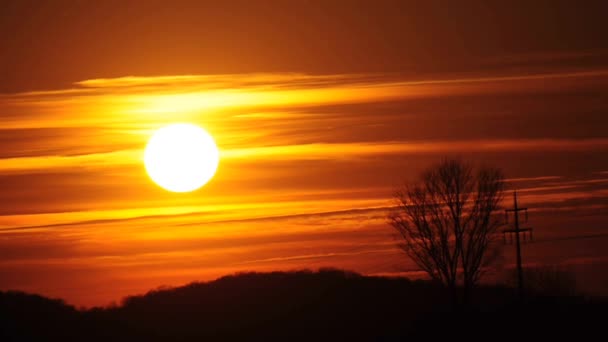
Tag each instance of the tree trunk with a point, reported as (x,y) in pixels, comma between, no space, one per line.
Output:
(466,293)
(453,289)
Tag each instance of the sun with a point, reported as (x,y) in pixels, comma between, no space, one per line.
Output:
(181,157)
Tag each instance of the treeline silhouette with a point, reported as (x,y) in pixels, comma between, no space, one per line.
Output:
(300,305)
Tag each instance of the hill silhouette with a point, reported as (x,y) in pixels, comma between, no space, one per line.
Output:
(299,305)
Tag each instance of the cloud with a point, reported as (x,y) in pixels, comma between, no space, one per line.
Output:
(308,164)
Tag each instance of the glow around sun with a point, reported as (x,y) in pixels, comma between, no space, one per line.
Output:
(181,157)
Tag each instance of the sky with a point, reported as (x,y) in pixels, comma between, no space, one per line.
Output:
(320,110)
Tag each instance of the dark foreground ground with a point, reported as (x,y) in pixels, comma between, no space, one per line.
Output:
(325,305)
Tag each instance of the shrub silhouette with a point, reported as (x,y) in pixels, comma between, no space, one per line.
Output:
(549,280)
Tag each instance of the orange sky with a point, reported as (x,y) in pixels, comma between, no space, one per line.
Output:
(310,153)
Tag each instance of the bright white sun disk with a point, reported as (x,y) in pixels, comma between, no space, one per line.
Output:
(181,157)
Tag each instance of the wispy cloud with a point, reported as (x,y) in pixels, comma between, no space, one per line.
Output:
(308,164)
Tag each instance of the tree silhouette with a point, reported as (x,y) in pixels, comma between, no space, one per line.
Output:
(446,222)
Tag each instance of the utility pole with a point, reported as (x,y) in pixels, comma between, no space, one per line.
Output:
(516,230)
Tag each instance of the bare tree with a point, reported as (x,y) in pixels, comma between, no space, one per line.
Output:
(447,221)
